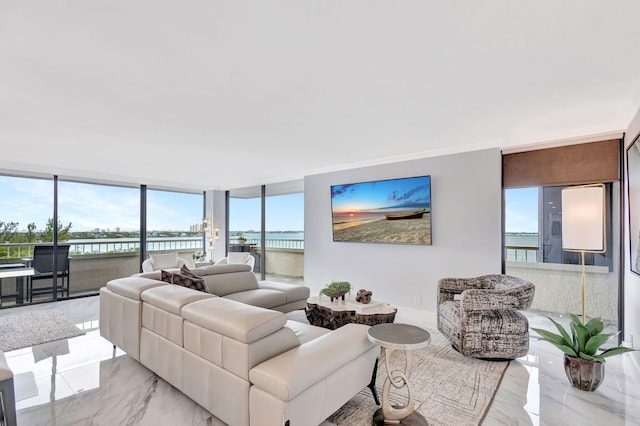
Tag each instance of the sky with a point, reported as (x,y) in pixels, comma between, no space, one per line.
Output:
(282,213)
(89,206)
(521,210)
(384,196)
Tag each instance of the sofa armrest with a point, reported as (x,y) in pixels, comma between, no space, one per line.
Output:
(147,266)
(5,371)
(290,373)
(7,393)
(449,287)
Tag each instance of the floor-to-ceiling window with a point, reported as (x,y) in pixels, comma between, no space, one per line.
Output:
(101,223)
(63,238)
(284,236)
(26,220)
(268,222)
(245,224)
(174,222)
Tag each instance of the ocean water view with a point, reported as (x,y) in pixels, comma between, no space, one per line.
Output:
(86,246)
(282,235)
(274,239)
(521,239)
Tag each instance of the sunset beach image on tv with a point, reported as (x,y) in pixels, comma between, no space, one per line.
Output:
(384,211)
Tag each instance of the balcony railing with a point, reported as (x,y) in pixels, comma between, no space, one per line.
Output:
(272,243)
(102,246)
(127,245)
(521,253)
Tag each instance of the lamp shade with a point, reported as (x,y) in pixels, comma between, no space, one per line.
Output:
(583,214)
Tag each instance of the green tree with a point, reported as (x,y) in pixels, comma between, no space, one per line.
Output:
(31,236)
(8,231)
(63,231)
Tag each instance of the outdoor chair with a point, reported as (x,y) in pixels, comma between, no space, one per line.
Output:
(158,261)
(42,264)
(238,257)
(480,315)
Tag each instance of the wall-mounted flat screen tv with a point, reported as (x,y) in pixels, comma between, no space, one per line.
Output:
(396,211)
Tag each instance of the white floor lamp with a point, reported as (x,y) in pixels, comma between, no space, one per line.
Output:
(583,225)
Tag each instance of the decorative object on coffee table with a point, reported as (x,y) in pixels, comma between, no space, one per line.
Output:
(364,296)
(337,289)
(335,314)
(404,337)
(583,367)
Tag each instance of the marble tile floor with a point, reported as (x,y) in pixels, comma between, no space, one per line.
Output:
(84,381)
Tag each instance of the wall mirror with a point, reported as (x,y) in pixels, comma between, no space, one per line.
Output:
(633,195)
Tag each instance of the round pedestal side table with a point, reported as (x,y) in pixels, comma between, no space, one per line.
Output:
(406,338)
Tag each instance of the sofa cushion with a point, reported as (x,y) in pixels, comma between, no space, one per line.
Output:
(281,375)
(259,297)
(172,298)
(241,322)
(232,355)
(226,279)
(292,292)
(132,287)
(306,332)
(165,260)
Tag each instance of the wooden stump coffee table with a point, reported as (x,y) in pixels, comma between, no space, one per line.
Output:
(324,313)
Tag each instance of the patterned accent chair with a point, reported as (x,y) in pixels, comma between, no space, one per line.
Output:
(480,315)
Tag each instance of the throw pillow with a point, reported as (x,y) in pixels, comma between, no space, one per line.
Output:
(162,261)
(189,282)
(187,272)
(238,257)
(194,282)
(167,277)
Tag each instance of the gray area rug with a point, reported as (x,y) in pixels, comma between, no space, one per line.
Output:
(449,388)
(34,328)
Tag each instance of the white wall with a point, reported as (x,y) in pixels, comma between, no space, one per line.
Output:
(631,280)
(466,230)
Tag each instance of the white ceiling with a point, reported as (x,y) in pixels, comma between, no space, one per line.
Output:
(208,94)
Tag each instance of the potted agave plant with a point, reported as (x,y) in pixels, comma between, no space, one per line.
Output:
(583,366)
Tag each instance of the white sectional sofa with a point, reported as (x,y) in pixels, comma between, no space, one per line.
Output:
(238,282)
(245,364)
